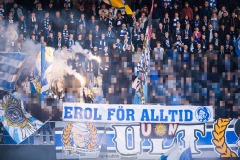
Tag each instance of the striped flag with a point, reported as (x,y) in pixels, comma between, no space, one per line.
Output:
(43,68)
(136,84)
(143,65)
(16,121)
(10,69)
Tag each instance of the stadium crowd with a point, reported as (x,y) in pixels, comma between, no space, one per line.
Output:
(193,57)
(196,59)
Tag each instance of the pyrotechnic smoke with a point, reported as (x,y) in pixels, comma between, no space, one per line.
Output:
(31,49)
(60,67)
(28,46)
(77,48)
(76,75)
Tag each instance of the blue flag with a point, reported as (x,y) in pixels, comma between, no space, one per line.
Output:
(172,154)
(237,46)
(16,121)
(186,154)
(10,69)
(42,72)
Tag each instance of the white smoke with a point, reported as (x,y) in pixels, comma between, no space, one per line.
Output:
(77,48)
(60,66)
(31,49)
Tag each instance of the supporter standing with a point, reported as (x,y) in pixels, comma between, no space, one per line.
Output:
(156,14)
(187,11)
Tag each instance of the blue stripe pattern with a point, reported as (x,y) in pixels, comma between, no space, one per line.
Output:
(10,67)
(202,140)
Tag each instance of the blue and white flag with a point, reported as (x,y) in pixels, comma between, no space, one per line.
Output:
(140,83)
(177,154)
(17,122)
(10,69)
(172,154)
(186,154)
(237,46)
(42,72)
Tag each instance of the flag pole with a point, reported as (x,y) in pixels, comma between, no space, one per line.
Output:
(147,55)
(42,70)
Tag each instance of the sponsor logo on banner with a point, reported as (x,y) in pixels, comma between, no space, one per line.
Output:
(103,113)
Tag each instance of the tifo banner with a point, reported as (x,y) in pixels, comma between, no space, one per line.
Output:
(17,122)
(145,140)
(136,113)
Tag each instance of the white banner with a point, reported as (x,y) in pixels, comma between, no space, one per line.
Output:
(103,113)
